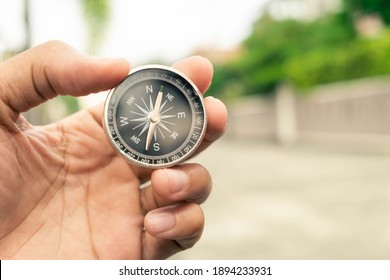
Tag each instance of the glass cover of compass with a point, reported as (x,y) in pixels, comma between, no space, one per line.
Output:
(155,117)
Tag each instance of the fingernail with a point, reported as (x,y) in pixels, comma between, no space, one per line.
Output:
(160,222)
(178,180)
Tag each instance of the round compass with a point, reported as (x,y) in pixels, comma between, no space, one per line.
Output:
(155,117)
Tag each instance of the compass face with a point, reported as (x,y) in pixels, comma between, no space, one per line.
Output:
(155,118)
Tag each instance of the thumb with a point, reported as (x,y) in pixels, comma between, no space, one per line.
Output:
(52,69)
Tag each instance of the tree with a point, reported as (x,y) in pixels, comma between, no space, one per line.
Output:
(367,7)
(272,44)
(306,54)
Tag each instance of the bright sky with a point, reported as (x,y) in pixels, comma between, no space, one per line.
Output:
(140,31)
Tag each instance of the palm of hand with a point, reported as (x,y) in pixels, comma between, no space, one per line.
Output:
(88,201)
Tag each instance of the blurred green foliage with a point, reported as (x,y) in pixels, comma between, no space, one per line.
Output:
(97,13)
(367,7)
(362,57)
(304,53)
(71,104)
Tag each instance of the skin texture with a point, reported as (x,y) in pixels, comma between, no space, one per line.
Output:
(65,193)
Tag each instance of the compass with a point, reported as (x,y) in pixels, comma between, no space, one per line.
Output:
(155,117)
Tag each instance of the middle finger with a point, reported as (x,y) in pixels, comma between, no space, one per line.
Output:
(184,183)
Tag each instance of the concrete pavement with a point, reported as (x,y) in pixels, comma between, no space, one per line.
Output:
(271,202)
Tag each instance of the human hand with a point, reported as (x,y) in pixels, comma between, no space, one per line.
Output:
(65,193)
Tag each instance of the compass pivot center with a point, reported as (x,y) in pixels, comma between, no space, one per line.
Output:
(154,118)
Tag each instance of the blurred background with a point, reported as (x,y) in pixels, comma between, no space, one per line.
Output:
(304,169)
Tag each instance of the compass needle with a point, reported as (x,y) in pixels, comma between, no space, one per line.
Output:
(154,117)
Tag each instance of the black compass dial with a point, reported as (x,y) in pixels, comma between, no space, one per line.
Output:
(155,117)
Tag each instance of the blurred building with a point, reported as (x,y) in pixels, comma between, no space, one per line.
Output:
(369,25)
(219,56)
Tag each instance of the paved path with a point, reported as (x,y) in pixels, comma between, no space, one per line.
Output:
(270,202)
